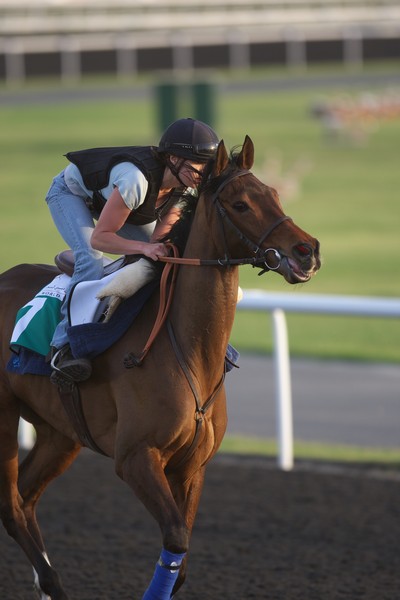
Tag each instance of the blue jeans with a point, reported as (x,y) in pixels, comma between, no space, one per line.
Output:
(75,224)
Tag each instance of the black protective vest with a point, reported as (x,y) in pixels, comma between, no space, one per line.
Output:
(95,165)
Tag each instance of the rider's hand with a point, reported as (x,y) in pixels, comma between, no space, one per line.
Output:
(154,251)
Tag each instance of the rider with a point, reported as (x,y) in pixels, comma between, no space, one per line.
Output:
(132,192)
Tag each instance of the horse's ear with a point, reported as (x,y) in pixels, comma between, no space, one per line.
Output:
(245,159)
(221,159)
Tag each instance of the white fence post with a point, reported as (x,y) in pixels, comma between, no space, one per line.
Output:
(14,61)
(283,391)
(26,435)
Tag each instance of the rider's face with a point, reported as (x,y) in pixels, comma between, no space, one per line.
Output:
(190,172)
(193,172)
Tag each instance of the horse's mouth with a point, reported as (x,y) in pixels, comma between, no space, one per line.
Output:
(294,272)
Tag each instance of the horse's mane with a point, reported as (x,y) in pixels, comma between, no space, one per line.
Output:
(180,231)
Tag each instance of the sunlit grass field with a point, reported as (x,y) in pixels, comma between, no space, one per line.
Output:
(313,451)
(344,191)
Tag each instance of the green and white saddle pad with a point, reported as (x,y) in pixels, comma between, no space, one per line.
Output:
(37,319)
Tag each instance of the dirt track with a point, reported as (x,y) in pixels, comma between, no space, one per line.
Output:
(260,534)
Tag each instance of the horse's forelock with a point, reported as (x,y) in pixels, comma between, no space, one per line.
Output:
(210,184)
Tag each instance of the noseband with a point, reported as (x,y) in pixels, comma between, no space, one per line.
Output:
(261,258)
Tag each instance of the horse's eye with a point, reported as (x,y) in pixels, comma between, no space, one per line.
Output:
(241,206)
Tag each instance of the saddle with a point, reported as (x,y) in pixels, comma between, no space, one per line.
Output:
(65,262)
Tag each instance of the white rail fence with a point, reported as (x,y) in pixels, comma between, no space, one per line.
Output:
(277,304)
(67,31)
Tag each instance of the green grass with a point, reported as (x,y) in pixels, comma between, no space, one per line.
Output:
(347,197)
(313,451)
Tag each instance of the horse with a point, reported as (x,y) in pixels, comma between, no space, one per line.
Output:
(162,422)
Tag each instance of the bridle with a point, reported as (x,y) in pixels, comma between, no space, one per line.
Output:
(261,258)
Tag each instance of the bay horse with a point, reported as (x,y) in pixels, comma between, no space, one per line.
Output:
(162,422)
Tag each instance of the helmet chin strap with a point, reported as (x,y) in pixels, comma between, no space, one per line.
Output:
(176,170)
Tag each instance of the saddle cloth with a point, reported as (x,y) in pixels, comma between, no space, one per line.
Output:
(88,336)
(38,318)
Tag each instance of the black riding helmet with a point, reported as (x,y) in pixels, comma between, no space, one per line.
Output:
(190,139)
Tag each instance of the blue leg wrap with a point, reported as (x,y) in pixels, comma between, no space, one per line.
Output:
(165,575)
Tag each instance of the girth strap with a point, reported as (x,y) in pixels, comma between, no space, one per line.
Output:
(72,403)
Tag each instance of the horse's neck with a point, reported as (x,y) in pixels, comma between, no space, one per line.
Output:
(204,305)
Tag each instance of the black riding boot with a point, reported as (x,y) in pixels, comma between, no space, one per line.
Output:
(66,366)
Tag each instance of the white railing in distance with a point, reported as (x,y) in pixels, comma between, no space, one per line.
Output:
(279,303)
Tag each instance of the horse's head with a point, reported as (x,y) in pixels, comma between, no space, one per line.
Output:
(252,222)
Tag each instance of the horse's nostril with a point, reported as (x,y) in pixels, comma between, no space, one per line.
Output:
(303,249)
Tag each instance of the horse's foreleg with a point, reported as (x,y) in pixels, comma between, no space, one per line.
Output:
(187,495)
(51,455)
(144,473)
